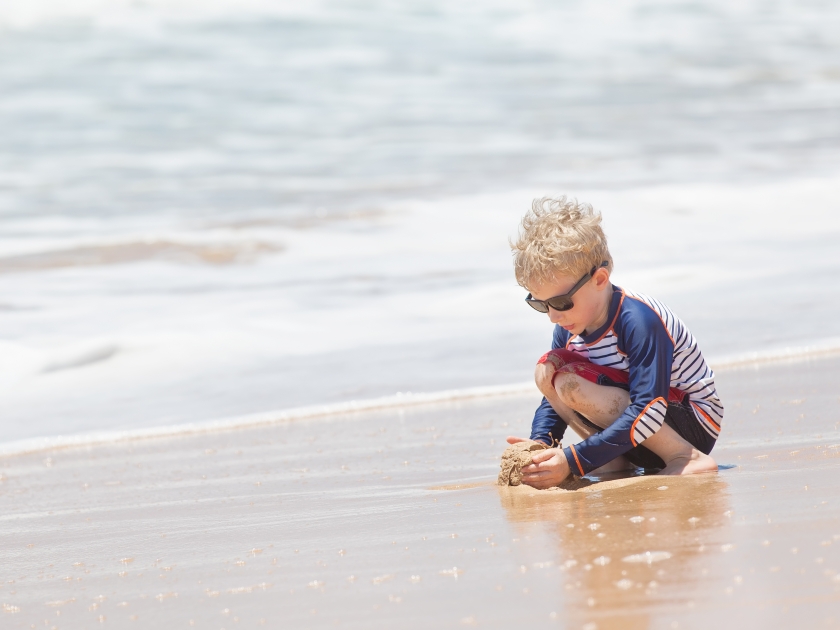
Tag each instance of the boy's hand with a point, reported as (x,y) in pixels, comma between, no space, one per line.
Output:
(512,439)
(550,467)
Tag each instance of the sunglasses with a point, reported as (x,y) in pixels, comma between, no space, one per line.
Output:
(562,302)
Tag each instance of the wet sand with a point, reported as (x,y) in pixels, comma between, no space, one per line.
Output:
(392,519)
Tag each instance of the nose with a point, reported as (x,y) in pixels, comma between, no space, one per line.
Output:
(554,316)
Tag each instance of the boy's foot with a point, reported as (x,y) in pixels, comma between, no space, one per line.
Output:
(697,462)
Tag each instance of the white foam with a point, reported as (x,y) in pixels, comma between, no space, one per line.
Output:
(18,362)
(430,273)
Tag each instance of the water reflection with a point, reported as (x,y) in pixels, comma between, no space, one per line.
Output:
(627,553)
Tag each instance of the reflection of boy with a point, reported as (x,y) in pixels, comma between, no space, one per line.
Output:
(624,372)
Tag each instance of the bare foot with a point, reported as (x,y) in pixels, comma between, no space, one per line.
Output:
(697,462)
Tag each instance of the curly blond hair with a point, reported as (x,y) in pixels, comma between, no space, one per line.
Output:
(558,237)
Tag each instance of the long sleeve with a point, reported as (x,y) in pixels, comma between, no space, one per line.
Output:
(547,425)
(643,338)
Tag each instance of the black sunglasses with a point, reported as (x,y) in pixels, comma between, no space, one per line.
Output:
(562,302)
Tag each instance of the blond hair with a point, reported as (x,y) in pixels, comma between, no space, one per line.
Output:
(559,237)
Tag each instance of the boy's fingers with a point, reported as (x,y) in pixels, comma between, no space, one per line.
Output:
(538,483)
(541,456)
(532,479)
(536,467)
(512,439)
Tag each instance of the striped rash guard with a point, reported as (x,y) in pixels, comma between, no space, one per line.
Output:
(643,337)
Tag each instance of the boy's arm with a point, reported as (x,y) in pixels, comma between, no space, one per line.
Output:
(547,425)
(650,353)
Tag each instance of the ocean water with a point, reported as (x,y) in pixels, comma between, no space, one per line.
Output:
(210,210)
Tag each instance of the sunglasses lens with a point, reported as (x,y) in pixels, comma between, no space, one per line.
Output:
(560,303)
(538,306)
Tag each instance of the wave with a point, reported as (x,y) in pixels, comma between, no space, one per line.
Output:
(399,400)
(137,251)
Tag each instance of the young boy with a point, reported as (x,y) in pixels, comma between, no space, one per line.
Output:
(624,372)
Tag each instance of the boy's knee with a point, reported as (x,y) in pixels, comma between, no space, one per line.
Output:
(567,384)
(559,358)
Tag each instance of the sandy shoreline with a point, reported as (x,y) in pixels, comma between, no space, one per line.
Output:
(334,522)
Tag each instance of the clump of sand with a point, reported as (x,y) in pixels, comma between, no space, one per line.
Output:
(514,458)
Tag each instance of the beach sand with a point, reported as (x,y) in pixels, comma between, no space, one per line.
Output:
(392,519)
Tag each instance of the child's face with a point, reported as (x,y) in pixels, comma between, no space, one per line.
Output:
(591,302)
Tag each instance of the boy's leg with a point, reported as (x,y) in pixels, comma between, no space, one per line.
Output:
(608,399)
(680,457)
(602,405)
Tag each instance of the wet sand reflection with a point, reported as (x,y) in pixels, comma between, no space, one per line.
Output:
(626,549)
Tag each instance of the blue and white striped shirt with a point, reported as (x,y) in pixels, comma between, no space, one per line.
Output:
(643,337)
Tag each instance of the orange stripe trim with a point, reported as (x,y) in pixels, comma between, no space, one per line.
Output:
(667,332)
(612,323)
(639,417)
(577,461)
(708,419)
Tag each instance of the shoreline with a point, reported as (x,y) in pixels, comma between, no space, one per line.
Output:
(396,401)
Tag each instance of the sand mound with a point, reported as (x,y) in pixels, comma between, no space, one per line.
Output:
(514,458)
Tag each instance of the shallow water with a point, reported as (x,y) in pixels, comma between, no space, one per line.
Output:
(342,522)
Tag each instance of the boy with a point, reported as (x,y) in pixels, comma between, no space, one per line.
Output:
(624,372)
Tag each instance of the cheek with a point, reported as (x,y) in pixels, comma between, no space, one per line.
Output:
(585,311)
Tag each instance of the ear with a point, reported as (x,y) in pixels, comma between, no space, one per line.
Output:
(601,278)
